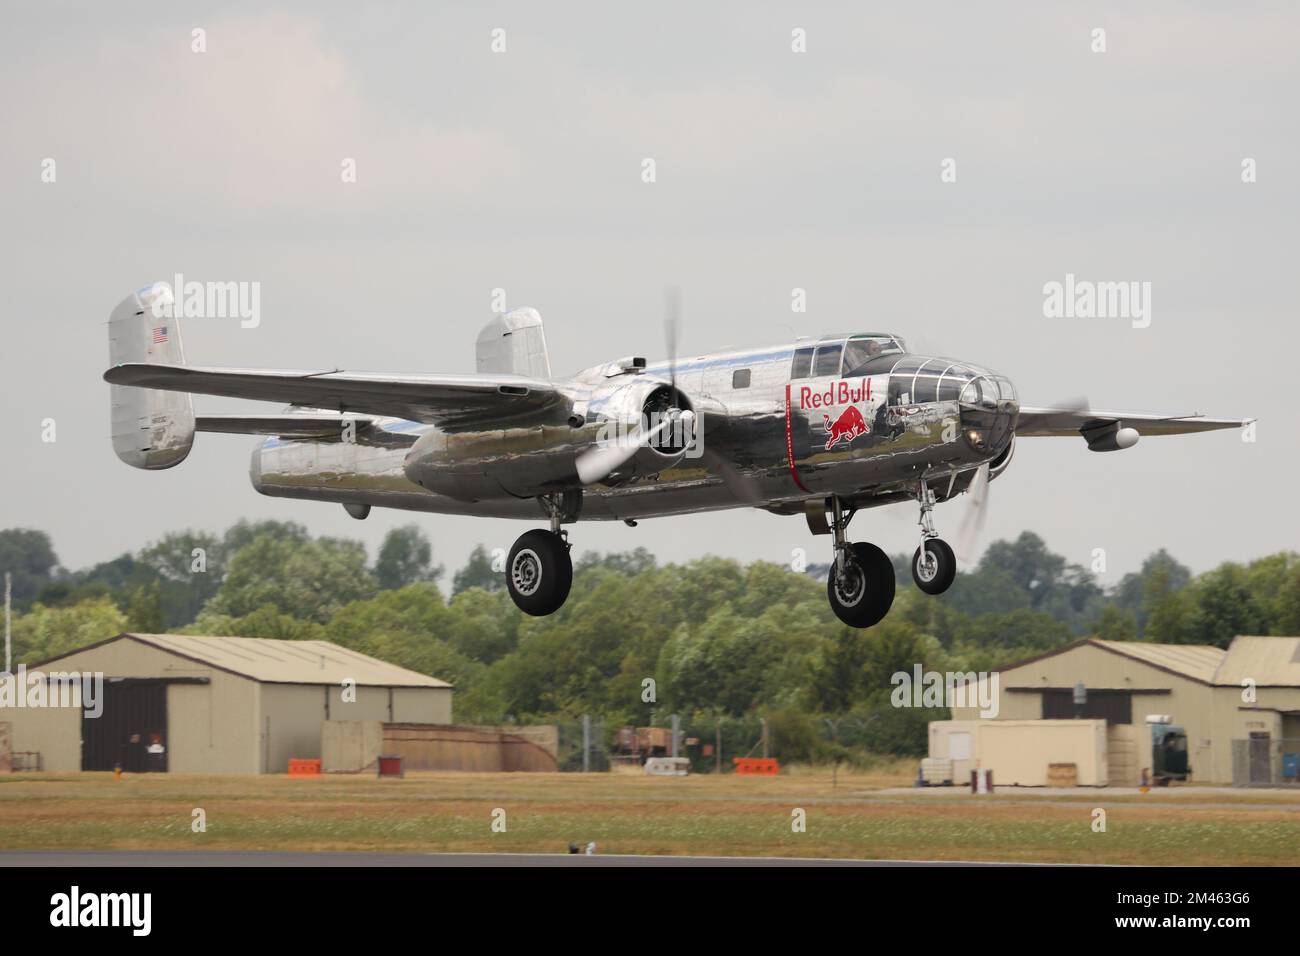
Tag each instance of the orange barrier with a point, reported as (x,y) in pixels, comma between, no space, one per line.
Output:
(757,766)
(304,768)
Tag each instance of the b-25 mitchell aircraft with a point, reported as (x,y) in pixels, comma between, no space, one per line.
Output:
(820,428)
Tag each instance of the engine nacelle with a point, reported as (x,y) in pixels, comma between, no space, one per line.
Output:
(539,459)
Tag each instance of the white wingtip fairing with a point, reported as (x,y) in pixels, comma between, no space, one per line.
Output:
(152,429)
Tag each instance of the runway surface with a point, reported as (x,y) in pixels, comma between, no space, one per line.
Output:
(150,858)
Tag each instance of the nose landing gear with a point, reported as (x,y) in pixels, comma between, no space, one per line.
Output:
(934,566)
(861,580)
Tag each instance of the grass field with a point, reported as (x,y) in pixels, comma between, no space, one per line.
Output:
(849,816)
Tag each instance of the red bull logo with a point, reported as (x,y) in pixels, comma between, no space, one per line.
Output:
(842,392)
(847,427)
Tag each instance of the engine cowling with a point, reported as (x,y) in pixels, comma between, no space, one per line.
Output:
(629,412)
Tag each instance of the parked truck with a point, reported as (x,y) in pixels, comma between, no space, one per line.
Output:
(1168,751)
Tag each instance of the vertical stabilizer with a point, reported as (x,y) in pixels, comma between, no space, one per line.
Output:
(514,344)
(151,429)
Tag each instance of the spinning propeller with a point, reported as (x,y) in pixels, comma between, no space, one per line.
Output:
(972,524)
(599,462)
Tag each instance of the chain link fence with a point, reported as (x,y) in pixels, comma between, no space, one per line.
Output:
(1266,762)
(573,737)
(712,744)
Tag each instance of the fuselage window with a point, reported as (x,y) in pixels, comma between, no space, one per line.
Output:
(740,378)
(827,361)
(802,363)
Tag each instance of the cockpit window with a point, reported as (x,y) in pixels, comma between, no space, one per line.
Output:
(862,350)
(827,361)
(802,366)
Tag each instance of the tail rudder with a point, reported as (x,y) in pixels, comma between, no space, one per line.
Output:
(152,429)
(514,344)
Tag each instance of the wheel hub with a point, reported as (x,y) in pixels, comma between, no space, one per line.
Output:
(526,572)
(850,584)
(927,566)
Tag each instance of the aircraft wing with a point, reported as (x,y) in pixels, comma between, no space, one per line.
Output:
(1035,422)
(452,402)
(288,426)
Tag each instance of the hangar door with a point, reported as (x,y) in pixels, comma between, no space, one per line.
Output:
(133,724)
(1113,706)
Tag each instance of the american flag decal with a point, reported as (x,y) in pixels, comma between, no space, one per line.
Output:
(160,335)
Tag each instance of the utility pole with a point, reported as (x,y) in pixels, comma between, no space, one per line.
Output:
(717,749)
(677,730)
(586,743)
(9,580)
(763,720)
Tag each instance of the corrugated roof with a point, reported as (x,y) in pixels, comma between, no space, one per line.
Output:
(288,662)
(1197,661)
(1268,661)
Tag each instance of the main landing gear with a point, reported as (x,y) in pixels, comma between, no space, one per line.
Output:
(539,571)
(933,565)
(861,581)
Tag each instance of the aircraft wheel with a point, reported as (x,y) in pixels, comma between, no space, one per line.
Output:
(934,570)
(862,595)
(539,573)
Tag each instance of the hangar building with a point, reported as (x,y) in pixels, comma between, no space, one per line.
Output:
(1240,707)
(216,704)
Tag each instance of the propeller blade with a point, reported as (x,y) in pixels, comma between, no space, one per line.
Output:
(742,488)
(972,525)
(1072,406)
(672,327)
(603,460)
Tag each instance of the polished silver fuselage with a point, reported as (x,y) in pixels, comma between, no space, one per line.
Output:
(866,439)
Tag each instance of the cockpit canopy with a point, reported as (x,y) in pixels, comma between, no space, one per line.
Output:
(848,355)
(912,378)
(918,378)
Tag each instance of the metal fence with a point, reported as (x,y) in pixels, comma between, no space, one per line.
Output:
(1264,761)
(582,748)
(712,744)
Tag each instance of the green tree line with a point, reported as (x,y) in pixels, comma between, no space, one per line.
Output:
(709,639)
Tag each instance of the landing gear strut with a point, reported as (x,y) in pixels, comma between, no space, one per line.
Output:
(539,571)
(933,565)
(861,581)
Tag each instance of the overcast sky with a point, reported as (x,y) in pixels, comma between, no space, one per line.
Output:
(776,169)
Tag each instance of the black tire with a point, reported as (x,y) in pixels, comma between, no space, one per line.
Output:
(936,574)
(539,573)
(865,595)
